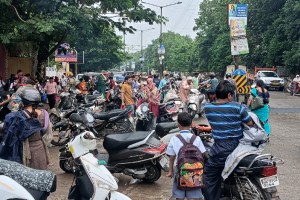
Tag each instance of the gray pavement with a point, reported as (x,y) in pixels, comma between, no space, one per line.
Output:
(285,144)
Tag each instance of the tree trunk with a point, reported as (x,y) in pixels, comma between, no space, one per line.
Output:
(42,57)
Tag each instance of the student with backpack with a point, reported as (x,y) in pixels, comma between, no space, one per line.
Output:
(186,150)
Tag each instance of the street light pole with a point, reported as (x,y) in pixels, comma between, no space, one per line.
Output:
(142,54)
(161,58)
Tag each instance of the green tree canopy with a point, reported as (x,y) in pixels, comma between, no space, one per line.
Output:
(46,24)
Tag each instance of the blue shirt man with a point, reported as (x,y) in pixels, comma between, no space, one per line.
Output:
(163,82)
(226,118)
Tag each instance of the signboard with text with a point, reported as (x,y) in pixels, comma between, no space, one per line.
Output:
(237,11)
(239,46)
(64,53)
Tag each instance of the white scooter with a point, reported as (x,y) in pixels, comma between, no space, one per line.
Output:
(93,180)
(10,189)
(196,102)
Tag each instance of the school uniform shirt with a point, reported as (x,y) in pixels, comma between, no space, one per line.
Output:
(175,144)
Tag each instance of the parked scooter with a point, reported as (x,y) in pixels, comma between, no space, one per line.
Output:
(100,123)
(92,179)
(34,184)
(11,189)
(137,154)
(145,118)
(195,104)
(168,112)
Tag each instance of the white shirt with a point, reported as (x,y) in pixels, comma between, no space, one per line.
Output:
(175,143)
(297,79)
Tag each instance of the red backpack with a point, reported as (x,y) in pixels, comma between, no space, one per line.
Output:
(190,165)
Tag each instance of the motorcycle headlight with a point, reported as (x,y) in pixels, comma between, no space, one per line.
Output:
(145,109)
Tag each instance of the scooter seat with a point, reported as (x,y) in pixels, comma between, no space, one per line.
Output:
(164,128)
(122,141)
(90,98)
(109,114)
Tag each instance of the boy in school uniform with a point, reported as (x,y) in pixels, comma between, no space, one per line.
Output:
(184,124)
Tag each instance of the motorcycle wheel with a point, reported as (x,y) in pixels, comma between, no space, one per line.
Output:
(251,190)
(53,118)
(192,113)
(153,174)
(66,166)
(125,127)
(266,195)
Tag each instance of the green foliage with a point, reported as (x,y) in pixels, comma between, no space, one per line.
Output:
(82,23)
(178,56)
(273,35)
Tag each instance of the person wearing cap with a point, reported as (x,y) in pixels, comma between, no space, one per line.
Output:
(184,91)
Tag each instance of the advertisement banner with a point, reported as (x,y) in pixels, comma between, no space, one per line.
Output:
(239,46)
(237,11)
(65,53)
(237,28)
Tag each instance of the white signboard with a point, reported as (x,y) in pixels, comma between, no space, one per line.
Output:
(50,71)
(239,46)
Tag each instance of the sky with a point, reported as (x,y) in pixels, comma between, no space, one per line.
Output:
(181,19)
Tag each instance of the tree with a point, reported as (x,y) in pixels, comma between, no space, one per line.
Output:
(178,53)
(46,24)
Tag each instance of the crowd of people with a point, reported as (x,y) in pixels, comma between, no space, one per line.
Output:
(223,113)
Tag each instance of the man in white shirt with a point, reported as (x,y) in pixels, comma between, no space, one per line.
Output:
(64,82)
(296,81)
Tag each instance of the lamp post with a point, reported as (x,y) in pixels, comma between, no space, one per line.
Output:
(142,55)
(161,47)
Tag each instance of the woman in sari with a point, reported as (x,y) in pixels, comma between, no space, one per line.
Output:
(152,97)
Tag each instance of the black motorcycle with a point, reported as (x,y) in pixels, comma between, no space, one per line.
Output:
(100,123)
(255,177)
(137,154)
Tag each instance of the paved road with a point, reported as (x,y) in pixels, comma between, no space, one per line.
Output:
(285,143)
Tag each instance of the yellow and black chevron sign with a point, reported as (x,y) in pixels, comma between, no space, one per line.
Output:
(241,80)
(243,90)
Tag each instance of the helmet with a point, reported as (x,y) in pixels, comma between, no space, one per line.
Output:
(30,96)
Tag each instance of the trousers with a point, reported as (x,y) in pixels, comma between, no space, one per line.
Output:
(215,165)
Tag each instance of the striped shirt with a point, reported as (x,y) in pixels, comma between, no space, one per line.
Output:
(226,119)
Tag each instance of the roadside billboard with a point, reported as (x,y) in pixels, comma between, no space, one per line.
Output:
(64,53)
(239,46)
(237,11)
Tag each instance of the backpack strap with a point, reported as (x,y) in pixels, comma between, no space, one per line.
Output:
(181,139)
(193,138)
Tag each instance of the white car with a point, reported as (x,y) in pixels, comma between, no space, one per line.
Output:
(271,79)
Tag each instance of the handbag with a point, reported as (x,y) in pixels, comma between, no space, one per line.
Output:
(257,102)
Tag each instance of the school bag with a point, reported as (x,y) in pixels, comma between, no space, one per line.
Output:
(190,165)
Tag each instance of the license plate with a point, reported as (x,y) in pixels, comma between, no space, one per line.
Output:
(275,83)
(270,181)
(164,162)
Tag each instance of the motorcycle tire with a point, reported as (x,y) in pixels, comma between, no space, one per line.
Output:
(125,127)
(54,119)
(266,195)
(153,174)
(65,166)
(251,190)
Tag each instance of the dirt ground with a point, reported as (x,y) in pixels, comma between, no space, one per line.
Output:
(285,144)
